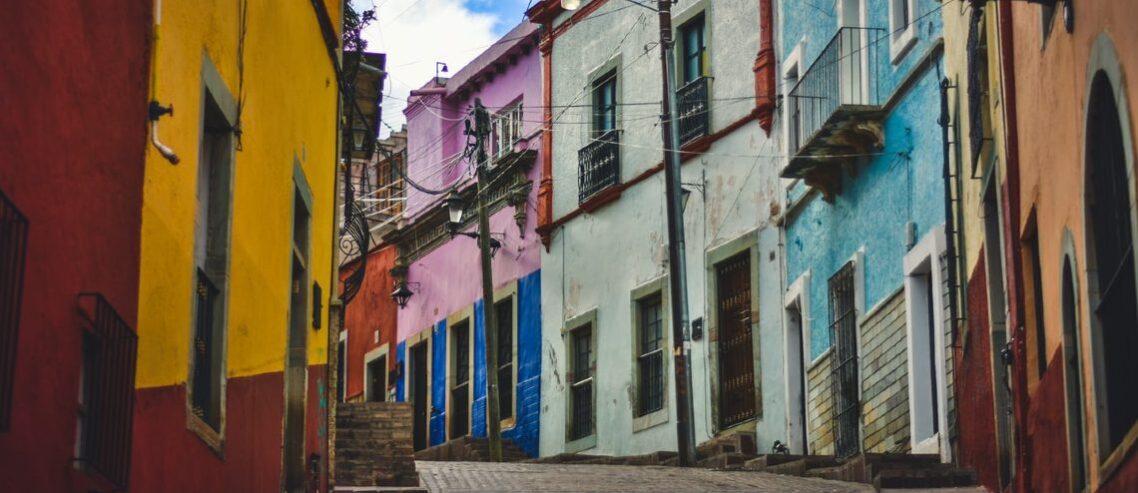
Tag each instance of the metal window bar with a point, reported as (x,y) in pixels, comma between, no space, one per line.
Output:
(204,404)
(13,253)
(736,351)
(843,75)
(106,444)
(694,109)
(650,362)
(843,362)
(581,390)
(598,165)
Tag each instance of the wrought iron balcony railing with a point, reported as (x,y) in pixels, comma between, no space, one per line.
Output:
(598,165)
(841,83)
(693,103)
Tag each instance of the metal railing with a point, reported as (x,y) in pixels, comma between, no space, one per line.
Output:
(582,405)
(204,404)
(598,165)
(844,74)
(13,249)
(112,350)
(693,104)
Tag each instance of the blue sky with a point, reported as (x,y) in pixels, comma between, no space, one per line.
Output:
(508,12)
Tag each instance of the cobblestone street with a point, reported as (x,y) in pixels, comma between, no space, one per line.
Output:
(453,477)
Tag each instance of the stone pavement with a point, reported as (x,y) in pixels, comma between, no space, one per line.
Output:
(454,477)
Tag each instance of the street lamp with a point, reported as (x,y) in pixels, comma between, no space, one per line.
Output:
(455,208)
(401,294)
(684,200)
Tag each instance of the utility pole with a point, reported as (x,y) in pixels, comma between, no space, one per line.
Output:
(677,268)
(489,313)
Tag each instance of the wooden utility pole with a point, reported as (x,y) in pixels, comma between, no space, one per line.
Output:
(489,314)
(677,268)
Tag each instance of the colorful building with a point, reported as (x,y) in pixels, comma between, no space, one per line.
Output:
(1067,211)
(238,265)
(609,379)
(71,185)
(865,225)
(441,351)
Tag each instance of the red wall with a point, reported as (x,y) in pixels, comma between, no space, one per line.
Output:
(1047,431)
(974,379)
(372,309)
(251,460)
(73,98)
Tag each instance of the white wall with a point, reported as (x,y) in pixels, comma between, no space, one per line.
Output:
(597,259)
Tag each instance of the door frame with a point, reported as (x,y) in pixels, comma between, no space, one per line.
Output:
(925,259)
(797,423)
(423,337)
(746,242)
(379,352)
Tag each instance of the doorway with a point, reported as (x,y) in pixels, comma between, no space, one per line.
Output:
(736,353)
(420,404)
(296,372)
(1073,376)
(844,380)
(852,60)
(997,313)
(796,379)
(377,379)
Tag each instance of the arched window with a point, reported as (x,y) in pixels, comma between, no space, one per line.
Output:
(1115,310)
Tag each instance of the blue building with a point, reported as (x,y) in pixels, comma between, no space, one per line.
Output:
(866,300)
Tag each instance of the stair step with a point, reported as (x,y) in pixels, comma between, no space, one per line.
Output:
(733,460)
(832,472)
(925,478)
(734,443)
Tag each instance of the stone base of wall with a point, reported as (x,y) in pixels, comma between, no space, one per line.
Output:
(819,405)
(885,378)
(373,445)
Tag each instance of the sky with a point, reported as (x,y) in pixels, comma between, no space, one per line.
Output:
(417,33)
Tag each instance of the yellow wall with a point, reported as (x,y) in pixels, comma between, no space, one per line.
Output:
(289,111)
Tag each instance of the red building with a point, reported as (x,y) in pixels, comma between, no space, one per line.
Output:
(367,342)
(74,127)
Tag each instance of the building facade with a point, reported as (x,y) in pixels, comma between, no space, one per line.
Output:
(71,189)
(867,290)
(608,380)
(441,359)
(237,250)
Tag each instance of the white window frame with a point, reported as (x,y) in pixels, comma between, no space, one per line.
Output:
(640,294)
(901,38)
(466,315)
(509,291)
(588,319)
(792,65)
(923,265)
(797,294)
(508,129)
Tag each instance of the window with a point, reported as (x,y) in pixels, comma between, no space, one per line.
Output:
(211,256)
(604,104)
(504,317)
(581,382)
(1072,367)
(1111,242)
(1046,18)
(507,130)
(377,379)
(844,379)
(104,411)
(460,383)
(650,357)
(13,249)
(1039,332)
(903,31)
(693,50)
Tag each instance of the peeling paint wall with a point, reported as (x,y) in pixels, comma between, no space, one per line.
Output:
(598,258)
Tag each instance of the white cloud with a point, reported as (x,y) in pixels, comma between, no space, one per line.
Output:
(415,34)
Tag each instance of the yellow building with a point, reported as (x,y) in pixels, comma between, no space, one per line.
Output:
(237,250)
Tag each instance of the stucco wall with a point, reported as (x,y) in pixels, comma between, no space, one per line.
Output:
(597,259)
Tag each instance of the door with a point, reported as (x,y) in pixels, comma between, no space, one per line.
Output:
(736,354)
(852,59)
(844,380)
(796,380)
(377,379)
(419,397)
(296,372)
(1073,376)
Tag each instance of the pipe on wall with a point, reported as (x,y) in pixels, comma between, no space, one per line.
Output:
(764,68)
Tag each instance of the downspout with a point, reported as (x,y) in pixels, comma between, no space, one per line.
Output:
(949,210)
(764,68)
(156,110)
(1011,238)
(545,190)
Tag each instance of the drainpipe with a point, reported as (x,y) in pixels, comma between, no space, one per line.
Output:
(156,110)
(1012,260)
(765,68)
(545,190)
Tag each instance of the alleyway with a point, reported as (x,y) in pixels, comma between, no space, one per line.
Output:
(453,477)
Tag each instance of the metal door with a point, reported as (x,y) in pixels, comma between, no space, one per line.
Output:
(736,355)
(843,363)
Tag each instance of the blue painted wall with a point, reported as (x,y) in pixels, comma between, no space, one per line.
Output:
(901,185)
(438,382)
(525,431)
(400,359)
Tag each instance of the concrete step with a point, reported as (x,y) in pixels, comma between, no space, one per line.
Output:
(743,442)
(936,477)
(733,460)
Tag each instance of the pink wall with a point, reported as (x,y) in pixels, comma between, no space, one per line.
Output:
(449,277)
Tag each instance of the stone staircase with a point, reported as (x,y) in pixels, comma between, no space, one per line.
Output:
(470,449)
(373,450)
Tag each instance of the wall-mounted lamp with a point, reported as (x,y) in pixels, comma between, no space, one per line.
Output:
(440,67)
(402,293)
(359,138)
(456,207)
(684,199)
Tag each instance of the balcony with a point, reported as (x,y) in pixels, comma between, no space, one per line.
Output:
(835,111)
(598,165)
(692,101)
